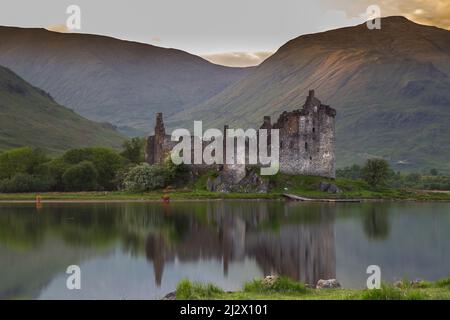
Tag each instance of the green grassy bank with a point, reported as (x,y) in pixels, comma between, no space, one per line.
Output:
(305,186)
(285,289)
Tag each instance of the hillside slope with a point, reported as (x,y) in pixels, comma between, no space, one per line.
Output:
(110,80)
(391,89)
(30,117)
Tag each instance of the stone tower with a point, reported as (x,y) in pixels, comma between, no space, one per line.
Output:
(157,149)
(307,139)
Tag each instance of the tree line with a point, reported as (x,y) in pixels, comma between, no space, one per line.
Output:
(377,173)
(84,169)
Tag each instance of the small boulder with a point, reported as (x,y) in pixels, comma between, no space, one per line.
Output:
(329,187)
(270,280)
(327,284)
(334,189)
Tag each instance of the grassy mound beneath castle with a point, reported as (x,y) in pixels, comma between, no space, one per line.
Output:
(286,289)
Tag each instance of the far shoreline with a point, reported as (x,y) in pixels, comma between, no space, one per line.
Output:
(199,196)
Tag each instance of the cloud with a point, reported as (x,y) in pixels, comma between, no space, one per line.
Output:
(238,59)
(429,12)
(58,28)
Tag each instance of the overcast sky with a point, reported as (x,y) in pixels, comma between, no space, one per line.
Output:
(233,32)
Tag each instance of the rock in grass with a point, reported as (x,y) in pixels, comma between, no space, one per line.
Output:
(270,280)
(329,187)
(327,284)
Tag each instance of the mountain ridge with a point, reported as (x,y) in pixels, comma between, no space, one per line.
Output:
(390,87)
(107,79)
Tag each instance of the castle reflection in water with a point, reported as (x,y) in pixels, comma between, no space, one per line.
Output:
(283,242)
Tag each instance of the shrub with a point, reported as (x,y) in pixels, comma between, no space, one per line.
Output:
(375,172)
(107,162)
(443,283)
(133,150)
(145,177)
(187,290)
(280,285)
(23,182)
(175,173)
(434,172)
(21,160)
(80,177)
(54,170)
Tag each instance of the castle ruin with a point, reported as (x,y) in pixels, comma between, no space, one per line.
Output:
(307,141)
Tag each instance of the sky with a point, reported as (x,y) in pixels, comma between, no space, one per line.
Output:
(229,32)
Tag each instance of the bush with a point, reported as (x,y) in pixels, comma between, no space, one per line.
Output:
(187,290)
(23,182)
(133,150)
(145,177)
(280,285)
(107,162)
(443,283)
(21,160)
(80,177)
(376,172)
(54,170)
(175,173)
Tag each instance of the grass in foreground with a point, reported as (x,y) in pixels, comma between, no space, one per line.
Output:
(286,289)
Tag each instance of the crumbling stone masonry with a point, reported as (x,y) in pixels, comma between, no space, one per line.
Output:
(307,140)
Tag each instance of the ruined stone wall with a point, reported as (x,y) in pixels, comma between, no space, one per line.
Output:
(159,146)
(307,142)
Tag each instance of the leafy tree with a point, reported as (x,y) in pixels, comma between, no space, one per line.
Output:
(107,162)
(21,160)
(413,178)
(145,177)
(54,170)
(434,172)
(81,177)
(133,150)
(375,172)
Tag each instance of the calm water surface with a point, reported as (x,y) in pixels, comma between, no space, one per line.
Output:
(142,250)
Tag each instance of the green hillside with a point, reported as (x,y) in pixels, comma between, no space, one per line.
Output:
(391,89)
(30,117)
